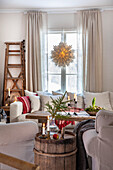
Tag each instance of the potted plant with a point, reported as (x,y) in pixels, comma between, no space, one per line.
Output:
(92,110)
(58,105)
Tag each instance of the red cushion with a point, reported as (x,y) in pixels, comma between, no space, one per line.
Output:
(26,103)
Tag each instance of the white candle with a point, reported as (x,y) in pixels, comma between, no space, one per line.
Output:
(15,99)
(75,97)
(9,92)
(68,97)
(43,129)
(48,129)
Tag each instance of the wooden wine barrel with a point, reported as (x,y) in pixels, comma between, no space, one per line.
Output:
(56,154)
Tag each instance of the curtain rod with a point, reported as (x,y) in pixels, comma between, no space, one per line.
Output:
(55,10)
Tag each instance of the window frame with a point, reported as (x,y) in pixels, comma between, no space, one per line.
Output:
(63,69)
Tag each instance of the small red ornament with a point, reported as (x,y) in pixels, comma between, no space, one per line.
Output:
(55,136)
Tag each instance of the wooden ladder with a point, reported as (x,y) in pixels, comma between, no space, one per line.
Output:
(15,49)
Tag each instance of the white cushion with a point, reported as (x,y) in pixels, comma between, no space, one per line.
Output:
(102,99)
(35,102)
(45,98)
(43,93)
(57,93)
(80,102)
(28,93)
(111,99)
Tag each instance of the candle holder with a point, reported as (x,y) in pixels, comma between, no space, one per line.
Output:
(9,102)
(48,135)
(75,102)
(69,108)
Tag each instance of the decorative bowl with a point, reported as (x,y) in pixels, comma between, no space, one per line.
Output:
(92,113)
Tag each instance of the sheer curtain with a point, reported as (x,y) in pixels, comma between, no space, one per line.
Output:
(90,49)
(36,54)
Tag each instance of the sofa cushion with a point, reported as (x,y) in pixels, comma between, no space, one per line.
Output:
(43,93)
(57,92)
(35,102)
(45,98)
(28,93)
(102,99)
(22,118)
(111,99)
(26,103)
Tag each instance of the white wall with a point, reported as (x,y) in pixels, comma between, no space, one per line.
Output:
(107,22)
(12,28)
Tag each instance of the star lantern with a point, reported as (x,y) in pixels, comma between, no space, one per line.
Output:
(62,55)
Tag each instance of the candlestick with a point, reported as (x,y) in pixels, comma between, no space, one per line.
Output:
(48,135)
(9,92)
(48,129)
(43,129)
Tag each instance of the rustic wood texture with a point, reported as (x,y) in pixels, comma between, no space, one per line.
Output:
(17,163)
(8,75)
(56,154)
(42,116)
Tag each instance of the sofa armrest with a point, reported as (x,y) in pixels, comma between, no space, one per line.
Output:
(16,109)
(90,139)
(17,132)
(106,133)
(103,118)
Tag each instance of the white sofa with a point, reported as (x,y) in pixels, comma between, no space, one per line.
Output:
(98,142)
(104,99)
(17,140)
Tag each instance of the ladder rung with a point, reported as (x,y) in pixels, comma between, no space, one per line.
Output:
(14,90)
(14,51)
(14,78)
(14,54)
(13,43)
(15,65)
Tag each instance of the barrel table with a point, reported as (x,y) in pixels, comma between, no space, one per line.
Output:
(56,154)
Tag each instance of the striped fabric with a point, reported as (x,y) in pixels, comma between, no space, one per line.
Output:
(26,103)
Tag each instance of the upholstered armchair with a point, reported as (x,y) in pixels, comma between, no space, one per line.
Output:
(17,140)
(98,142)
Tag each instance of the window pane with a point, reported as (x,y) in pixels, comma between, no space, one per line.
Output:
(72,68)
(71,83)
(71,39)
(54,82)
(53,39)
(52,68)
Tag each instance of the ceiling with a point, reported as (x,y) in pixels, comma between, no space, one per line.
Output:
(34,4)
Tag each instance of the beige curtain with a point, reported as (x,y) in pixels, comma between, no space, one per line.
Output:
(36,54)
(90,47)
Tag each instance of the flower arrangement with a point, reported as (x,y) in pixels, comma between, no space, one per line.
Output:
(62,54)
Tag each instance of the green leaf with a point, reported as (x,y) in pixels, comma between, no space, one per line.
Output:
(93,102)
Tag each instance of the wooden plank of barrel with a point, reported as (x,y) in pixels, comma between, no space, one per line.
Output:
(56,154)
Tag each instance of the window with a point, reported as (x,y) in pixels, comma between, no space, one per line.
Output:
(62,78)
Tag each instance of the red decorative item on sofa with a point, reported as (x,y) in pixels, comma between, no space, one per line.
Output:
(26,103)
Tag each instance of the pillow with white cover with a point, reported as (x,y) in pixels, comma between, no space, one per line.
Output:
(28,93)
(43,93)
(80,102)
(45,98)
(35,103)
(111,99)
(57,92)
(102,99)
